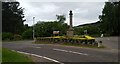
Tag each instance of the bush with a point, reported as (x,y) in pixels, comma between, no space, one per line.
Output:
(91,30)
(17,37)
(7,36)
(27,34)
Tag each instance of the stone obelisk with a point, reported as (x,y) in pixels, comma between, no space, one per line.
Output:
(70,31)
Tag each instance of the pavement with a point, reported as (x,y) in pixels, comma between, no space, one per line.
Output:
(61,54)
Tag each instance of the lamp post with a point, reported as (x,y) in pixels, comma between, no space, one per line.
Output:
(33,29)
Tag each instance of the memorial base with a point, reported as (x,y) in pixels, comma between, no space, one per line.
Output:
(70,33)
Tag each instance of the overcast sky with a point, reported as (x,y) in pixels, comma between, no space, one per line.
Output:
(83,12)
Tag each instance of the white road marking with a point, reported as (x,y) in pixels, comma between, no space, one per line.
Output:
(61,50)
(40,56)
(70,51)
(37,47)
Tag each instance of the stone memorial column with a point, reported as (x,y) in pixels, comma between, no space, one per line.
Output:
(70,14)
(70,31)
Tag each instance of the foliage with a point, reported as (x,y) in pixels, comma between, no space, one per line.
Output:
(17,37)
(110,18)
(27,34)
(61,18)
(45,29)
(7,36)
(12,17)
(91,30)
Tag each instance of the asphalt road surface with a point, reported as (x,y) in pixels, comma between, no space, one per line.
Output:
(61,54)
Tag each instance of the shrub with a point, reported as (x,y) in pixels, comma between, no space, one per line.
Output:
(7,36)
(27,34)
(17,37)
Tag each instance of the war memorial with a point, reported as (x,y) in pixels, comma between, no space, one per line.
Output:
(69,37)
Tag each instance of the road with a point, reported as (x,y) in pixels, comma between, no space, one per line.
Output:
(110,42)
(61,54)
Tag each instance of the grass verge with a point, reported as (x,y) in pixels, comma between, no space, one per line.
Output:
(9,56)
(83,46)
(70,44)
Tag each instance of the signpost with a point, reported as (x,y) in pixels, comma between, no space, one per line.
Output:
(56,32)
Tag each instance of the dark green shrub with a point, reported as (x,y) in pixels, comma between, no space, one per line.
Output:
(27,34)
(7,36)
(17,37)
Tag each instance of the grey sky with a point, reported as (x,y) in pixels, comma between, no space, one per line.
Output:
(83,12)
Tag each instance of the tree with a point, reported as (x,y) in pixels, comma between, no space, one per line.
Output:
(45,29)
(61,18)
(91,30)
(12,17)
(110,18)
(27,34)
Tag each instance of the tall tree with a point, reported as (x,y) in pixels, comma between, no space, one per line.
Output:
(12,17)
(110,18)
(61,18)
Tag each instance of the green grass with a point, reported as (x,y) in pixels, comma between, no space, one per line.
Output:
(70,44)
(83,46)
(12,56)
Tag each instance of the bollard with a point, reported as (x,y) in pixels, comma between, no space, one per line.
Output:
(99,43)
(35,40)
